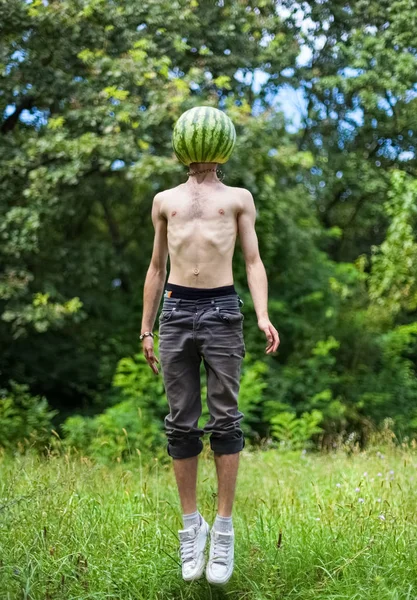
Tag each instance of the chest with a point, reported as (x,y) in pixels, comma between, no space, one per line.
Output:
(197,209)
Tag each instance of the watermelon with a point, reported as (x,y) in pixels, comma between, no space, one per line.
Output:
(203,134)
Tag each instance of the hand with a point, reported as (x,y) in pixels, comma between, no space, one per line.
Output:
(271,333)
(148,351)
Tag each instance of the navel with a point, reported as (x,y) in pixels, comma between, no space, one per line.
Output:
(196,271)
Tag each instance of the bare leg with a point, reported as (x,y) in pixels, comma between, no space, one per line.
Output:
(186,475)
(227,467)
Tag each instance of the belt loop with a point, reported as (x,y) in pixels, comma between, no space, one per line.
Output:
(240,301)
(177,303)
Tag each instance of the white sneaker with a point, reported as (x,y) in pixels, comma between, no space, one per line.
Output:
(221,560)
(192,544)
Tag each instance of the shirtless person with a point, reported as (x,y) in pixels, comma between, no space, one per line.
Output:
(197,224)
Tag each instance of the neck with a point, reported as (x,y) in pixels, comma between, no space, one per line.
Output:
(203,177)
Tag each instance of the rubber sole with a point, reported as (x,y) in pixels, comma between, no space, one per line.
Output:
(219,582)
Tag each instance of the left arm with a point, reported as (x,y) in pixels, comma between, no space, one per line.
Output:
(255,270)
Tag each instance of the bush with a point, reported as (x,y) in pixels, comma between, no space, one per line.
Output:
(131,425)
(24,419)
(296,433)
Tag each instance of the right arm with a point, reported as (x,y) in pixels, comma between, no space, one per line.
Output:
(154,281)
(255,270)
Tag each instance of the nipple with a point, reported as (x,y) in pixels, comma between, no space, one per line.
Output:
(174,212)
(221,211)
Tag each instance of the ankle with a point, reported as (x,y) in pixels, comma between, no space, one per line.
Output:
(223,524)
(191,519)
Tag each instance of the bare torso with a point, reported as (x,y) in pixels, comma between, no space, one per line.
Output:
(201,233)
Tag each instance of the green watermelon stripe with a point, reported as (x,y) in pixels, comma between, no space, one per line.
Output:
(204,130)
(224,132)
(229,148)
(193,146)
(227,136)
(184,129)
(210,137)
(216,135)
(220,140)
(179,152)
(197,135)
(190,138)
(224,139)
(229,140)
(199,129)
(232,142)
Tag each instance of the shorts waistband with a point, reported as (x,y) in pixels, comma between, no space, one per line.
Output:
(230,301)
(173,290)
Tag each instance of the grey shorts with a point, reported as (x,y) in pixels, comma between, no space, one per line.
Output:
(191,331)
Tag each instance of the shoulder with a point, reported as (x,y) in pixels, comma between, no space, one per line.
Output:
(167,194)
(243,196)
(239,192)
(244,200)
(161,199)
(243,193)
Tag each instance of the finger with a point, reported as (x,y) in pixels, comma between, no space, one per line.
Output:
(154,367)
(150,359)
(153,356)
(155,360)
(276,340)
(270,340)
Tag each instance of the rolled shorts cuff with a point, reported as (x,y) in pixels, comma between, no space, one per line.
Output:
(185,449)
(227,446)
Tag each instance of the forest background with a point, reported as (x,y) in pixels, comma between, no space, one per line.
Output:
(323,96)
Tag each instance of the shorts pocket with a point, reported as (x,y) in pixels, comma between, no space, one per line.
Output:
(165,315)
(234,317)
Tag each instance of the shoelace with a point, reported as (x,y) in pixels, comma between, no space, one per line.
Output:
(187,547)
(221,549)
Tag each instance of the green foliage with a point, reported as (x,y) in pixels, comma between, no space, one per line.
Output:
(124,429)
(295,433)
(42,314)
(86,120)
(132,425)
(253,384)
(25,420)
(85,150)
(79,432)
(117,434)
(394,385)
(393,279)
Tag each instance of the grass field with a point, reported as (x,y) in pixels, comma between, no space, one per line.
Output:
(307,526)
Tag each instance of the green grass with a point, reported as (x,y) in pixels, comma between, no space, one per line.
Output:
(71,529)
